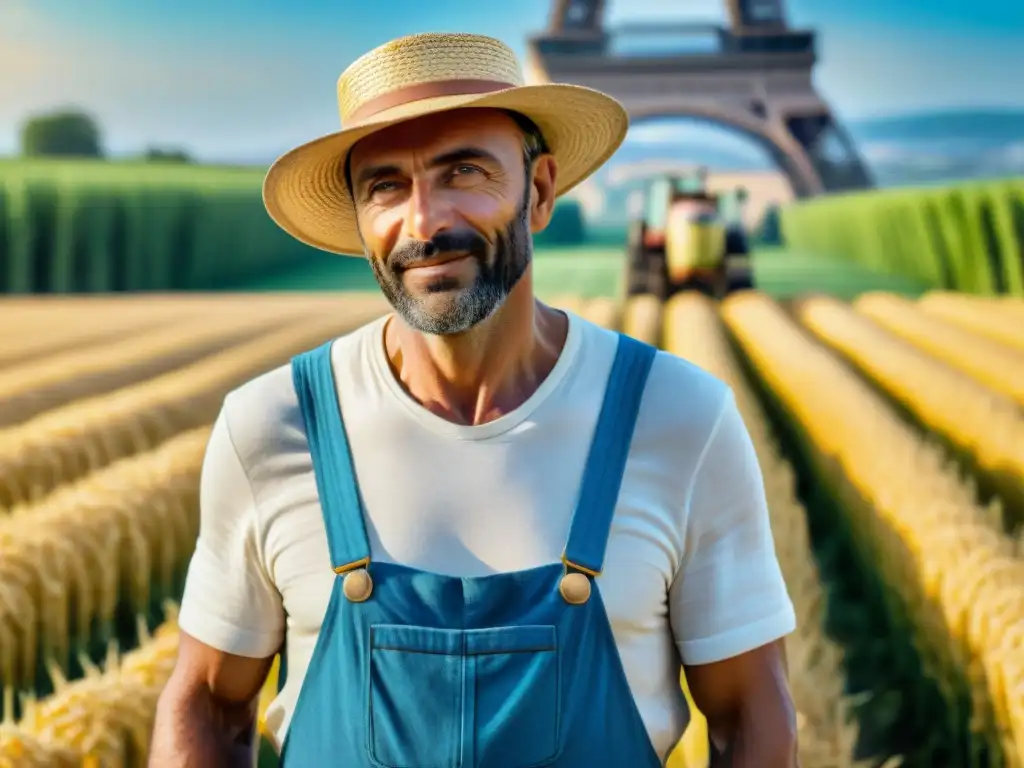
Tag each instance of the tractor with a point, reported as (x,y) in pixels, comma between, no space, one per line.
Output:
(682,237)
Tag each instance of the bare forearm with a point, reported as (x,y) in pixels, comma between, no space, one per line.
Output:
(189,734)
(754,743)
(196,747)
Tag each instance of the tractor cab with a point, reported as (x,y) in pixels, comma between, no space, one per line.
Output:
(684,237)
(685,193)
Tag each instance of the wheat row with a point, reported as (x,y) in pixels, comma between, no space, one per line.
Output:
(37,327)
(69,563)
(828,733)
(105,717)
(40,385)
(68,442)
(984,424)
(27,339)
(1000,321)
(997,365)
(600,311)
(959,577)
(102,720)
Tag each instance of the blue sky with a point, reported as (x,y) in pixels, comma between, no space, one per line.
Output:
(237,79)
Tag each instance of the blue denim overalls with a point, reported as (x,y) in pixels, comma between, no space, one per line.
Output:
(511,670)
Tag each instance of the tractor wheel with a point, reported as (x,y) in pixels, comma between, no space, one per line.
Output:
(739,270)
(637,266)
(657,274)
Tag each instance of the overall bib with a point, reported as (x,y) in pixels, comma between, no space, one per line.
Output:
(512,670)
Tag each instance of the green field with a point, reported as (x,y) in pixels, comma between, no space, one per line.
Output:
(70,226)
(589,272)
(73,226)
(964,237)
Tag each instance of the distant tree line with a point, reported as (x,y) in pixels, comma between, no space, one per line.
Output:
(74,133)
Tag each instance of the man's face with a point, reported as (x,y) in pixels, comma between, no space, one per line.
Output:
(443,206)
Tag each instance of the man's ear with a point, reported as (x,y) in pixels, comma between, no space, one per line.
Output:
(542,199)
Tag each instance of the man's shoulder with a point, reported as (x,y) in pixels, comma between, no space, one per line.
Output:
(682,403)
(678,378)
(263,414)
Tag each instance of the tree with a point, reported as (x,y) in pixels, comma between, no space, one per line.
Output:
(567,226)
(769,231)
(64,133)
(166,155)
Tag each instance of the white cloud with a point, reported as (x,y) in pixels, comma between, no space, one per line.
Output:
(687,135)
(1013,155)
(655,133)
(928,156)
(882,152)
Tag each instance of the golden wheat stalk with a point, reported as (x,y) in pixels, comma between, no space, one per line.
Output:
(105,718)
(827,730)
(985,318)
(568,303)
(602,311)
(642,319)
(960,579)
(1010,305)
(43,307)
(68,442)
(51,318)
(33,328)
(996,365)
(28,390)
(68,562)
(981,423)
(20,749)
(30,339)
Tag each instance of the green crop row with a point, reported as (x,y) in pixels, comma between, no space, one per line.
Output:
(81,226)
(967,237)
(93,226)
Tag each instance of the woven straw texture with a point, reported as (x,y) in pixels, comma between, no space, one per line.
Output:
(305,191)
(423,59)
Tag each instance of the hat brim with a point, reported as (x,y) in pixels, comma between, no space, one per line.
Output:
(305,192)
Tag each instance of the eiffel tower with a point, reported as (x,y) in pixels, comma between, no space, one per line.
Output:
(753,76)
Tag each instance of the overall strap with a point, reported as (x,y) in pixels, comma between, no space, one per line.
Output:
(332,459)
(606,462)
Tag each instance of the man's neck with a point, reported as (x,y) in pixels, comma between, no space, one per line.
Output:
(478,376)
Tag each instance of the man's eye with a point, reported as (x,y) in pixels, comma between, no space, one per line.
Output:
(382,186)
(461,170)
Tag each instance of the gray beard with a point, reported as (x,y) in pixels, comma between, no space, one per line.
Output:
(472,305)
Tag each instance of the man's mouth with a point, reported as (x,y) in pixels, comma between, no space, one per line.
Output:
(438,261)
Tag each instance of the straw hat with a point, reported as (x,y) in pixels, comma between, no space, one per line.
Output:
(305,191)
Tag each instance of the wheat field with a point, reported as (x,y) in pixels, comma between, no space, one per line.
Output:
(890,433)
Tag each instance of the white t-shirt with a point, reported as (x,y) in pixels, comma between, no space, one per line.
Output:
(690,569)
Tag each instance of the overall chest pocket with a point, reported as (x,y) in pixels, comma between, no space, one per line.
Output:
(444,698)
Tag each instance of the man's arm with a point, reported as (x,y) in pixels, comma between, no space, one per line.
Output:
(206,715)
(751,719)
(232,625)
(730,608)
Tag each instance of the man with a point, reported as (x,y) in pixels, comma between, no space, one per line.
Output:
(498,548)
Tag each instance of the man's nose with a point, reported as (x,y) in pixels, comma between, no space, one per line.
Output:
(429,212)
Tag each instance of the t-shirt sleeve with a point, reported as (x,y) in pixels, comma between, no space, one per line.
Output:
(230,602)
(728,596)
